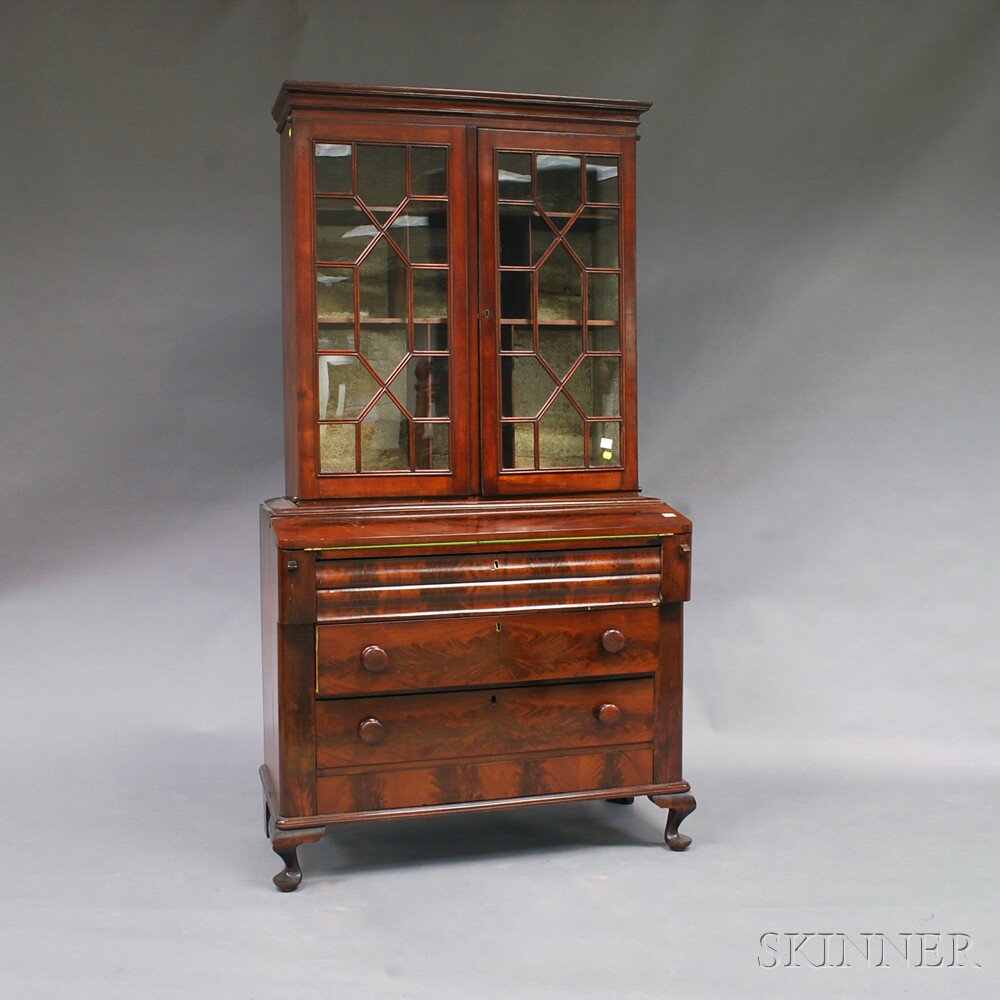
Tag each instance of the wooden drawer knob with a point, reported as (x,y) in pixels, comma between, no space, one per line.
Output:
(371,731)
(374,659)
(608,715)
(613,641)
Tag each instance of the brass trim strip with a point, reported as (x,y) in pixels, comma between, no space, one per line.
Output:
(484,541)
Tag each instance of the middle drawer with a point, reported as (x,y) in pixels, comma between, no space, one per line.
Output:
(458,724)
(379,657)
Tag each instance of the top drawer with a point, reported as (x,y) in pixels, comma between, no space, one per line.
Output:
(427,586)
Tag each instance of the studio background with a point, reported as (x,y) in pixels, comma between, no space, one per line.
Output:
(819,356)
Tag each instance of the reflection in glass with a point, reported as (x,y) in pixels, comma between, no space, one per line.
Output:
(605,443)
(383,346)
(428,170)
(431,445)
(336,448)
(603,338)
(560,436)
(526,385)
(596,386)
(515,337)
(515,235)
(336,337)
(560,346)
(602,178)
(430,294)
(514,175)
(421,229)
(381,175)
(385,439)
(515,295)
(343,231)
(518,445)
(335,293)
(346,387)
(594,236)
(382,284)
(333,168)
(558,182)
(422,386)
(602,296)
(560,293)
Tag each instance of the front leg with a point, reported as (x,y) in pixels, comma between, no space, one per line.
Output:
(680,807)
(285,843)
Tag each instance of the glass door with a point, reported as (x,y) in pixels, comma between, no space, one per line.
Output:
(556,243)
(387,318)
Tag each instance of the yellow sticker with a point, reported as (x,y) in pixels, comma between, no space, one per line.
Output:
(606,455)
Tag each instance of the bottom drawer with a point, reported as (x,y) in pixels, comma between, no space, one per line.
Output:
(483,781)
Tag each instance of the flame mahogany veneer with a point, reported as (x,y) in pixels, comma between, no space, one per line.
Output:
(465,634)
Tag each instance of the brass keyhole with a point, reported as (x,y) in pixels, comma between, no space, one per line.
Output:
(496,563)
(499,626)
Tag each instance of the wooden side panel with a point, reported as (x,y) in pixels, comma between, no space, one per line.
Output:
(269,640)
(677,568)
(669,695)
(297,719)
(424,727)
(483,781)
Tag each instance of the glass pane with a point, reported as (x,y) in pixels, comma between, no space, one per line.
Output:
(560,436)
(333,168)
(336,448)
(602,178)
(385,438)
(422,386)
(421,229)
(560,346)
(515,295)
(605,439)
(381,175)
(429,170)
(515,235)
(516,338)
(343,231)
(596,386)
(336,337)
(560,293)
(526,386)
(542,236)
(604,338)
(602,296)
(346,387)
(558,182)
(514,175)
(430,294)
(382,284)
(594,236)
(431,444)
(383,346)
(518,441)
(335,293)
(430,336)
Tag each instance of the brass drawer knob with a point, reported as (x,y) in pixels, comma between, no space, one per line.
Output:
(608,714)
(613,641)
(374,659)
(371,731)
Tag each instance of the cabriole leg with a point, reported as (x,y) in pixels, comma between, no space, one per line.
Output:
(680,807)
(285,843)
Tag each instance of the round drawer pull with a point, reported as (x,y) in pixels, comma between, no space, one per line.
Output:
(613,641)
(374,659)
(371,731)
(608,714)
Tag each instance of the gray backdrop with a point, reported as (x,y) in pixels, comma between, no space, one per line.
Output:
(818,303)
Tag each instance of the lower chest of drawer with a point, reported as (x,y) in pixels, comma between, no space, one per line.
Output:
(379,731)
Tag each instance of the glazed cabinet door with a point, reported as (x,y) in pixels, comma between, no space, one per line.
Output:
(376,258)
(557,312)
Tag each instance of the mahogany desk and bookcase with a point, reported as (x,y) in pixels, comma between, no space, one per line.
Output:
(467,604)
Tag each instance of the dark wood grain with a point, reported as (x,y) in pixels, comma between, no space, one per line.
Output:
(681,806)
(427,727)
(483,780)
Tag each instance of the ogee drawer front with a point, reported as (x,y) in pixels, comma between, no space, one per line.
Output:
(377,657)
(423,727)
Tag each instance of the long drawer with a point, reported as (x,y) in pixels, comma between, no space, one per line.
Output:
(356,589)
(480,781)
(379,657)
(442,726)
